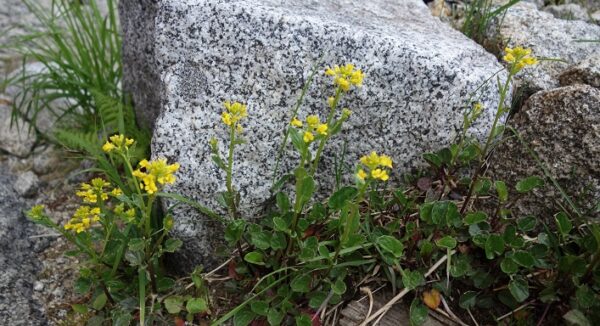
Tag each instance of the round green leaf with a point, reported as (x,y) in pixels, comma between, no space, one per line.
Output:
(529,183)
(467,300)
(523,258)
(519,288)
(474,218)
(391,245)
(446,242)
(254,257)
(196,305)
(301,283)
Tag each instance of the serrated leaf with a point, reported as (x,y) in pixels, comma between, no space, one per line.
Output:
(172,245)
(280,224)
(340,197)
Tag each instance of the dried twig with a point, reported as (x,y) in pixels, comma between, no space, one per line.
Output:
(368,292)
(405,291)
(451,314)
(517,309)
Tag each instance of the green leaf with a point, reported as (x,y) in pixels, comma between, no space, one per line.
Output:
(502,191)
(261,240)
(433,159)
(446,242)
(563,223)
(243,317)
(527,223)
(283,202)
(412,279)
(278,241)
(340,197)
(391,245)
(164,284)
(508,266)
(137,244)
(83,285)
(305,190)
(174,304)
(259,307)
(474,218)
(519,289)
(99,301)
(438,212)
(301,283)
(529,183)
(280,224)
(316,299)
(196,305)
(80,308)
(585,297)
(468,300)
(172,245)
(254,257)
(303,320)
(275,317)
(418,312)
(523,258)
(577,318)
(494,245)
(339,287)
(234,230)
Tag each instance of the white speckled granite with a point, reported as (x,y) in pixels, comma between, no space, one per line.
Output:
(420,74)
(549,37)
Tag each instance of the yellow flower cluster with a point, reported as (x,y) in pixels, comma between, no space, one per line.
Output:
(313,126)
(234,112)
(127,215)
(345,76)
(155,171)
(376,165)
(519,58)
(83,219)
(36,213)
(117,142)
(90,191)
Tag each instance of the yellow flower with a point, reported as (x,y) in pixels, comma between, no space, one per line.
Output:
(312,121)
(371,160)
(385,161)
(116,192)
(83,219)
(380,174)
(296,123)
(226,117)
(518,58)
(234,112)
(90,191)
(361,174)
(155,171)
(330,101)
(117,142)
(345,76)
(308,137)
(36,213)
(322,129)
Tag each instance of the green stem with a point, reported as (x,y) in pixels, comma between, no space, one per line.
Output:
(142,295)
(228,180)
(147,217)
(336,99)
(488,143)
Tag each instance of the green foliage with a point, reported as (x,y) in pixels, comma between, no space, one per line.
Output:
(479,15)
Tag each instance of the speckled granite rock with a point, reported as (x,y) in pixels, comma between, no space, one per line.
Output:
(570,11)
(549,37)
(585,72)
(18,261)
(419,74)
(16,137)
(562,127)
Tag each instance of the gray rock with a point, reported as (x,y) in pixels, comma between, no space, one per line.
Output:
(27,184)
(570,11)
(419,77)
(586,72)
(562,127)
(596,16)
(16,136)
(549,37)
(18,263)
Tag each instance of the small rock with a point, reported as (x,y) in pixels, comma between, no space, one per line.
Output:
(16,137)
(26,184)
(570,11)
(548,37)
(596,16)
(586,72)
(38,286)
(562,128)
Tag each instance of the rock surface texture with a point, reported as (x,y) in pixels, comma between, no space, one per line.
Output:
(420,75)
(585,72)
(562,128)
(18,259)
(549,37)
